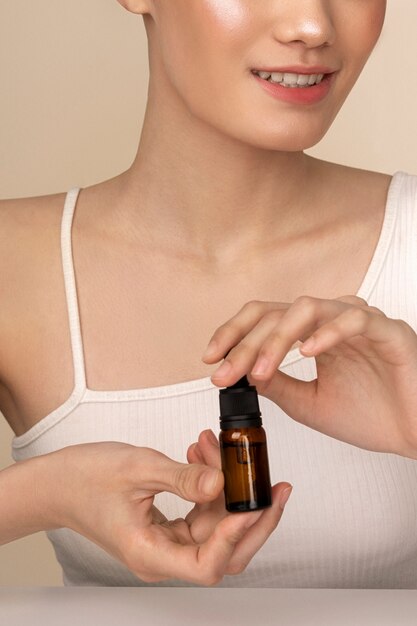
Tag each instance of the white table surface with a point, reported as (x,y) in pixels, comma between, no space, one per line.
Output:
(128,606)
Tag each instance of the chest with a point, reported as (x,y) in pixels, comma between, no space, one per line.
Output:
(145,322)
(149,325)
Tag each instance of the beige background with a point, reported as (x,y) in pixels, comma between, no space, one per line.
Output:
(72,98)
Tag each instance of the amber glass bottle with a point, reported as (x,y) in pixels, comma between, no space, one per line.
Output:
(244,455)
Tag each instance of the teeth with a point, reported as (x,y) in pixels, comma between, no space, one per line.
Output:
(288,79)
(265,75)
(277,77)
(303,80)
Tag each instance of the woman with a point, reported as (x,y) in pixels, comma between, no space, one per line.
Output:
(221,228)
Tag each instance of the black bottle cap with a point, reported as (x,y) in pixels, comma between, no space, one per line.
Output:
(239,405)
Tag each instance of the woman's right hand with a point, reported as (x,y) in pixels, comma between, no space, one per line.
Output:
(105,492)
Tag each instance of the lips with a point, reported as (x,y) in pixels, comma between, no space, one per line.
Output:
(308,95)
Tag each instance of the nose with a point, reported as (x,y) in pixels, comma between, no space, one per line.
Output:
(304,22)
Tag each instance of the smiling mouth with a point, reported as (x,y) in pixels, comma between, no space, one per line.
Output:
(291,79)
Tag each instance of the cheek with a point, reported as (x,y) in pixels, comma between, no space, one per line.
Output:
(209,52)
(374,25)
(227,14)
(208,31)
(366,27)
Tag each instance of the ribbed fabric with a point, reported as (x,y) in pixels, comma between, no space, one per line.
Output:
(351,520)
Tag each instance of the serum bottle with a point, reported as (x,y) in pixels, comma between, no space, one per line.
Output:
(244,455)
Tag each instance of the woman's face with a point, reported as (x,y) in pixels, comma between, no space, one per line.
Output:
(206,51)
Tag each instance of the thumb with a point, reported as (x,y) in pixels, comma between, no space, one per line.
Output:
(295,397)
(191,481)
(195,482)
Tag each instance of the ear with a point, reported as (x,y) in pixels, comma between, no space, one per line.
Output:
(136,6)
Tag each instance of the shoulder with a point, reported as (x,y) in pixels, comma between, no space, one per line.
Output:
(27,226)
(356,192)
(15,212)
(396,192)
(24,216)
(29,241)
(357,182)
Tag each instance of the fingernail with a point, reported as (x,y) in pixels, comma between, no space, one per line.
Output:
(211,349)
(208,481)
(224,369)
(284,497)
(261,366)
(213,438)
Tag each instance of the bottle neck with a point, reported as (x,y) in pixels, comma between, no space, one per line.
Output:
(240,421)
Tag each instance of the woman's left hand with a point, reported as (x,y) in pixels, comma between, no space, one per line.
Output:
(365,392)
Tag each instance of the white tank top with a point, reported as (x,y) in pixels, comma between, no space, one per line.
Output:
(351,519)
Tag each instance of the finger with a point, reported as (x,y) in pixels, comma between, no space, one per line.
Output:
(178,530)
(156,556)
(215,553)
(355,300)
(370,323)
(297,398)
(193,454)
(206,450)
(204,516)
(209,448)
(242,357)
(156,472)
(256,536)
(360,302)
(298,322)
(263,348)
(231,332)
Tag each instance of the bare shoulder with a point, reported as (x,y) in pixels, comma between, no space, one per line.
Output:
(28,242)
(26,225)
(359,184)
(17,212)
(353,196)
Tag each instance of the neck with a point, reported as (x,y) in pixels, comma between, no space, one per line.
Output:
(213,199)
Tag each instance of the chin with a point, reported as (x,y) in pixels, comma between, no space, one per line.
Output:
(288,132)
(289,141)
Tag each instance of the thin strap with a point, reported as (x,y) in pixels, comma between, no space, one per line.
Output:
(71,290)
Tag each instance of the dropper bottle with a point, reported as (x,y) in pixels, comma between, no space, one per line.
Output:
(243,449)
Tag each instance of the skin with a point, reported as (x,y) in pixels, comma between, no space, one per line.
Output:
(201,53)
